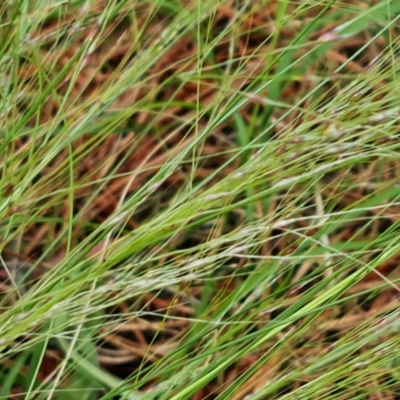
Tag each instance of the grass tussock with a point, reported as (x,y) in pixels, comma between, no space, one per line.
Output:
(199,200)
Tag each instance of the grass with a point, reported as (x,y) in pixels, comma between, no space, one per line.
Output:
(199,200)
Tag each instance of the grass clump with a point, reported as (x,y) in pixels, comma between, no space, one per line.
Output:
(199,200)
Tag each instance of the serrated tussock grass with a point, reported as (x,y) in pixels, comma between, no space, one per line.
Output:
(199,200)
